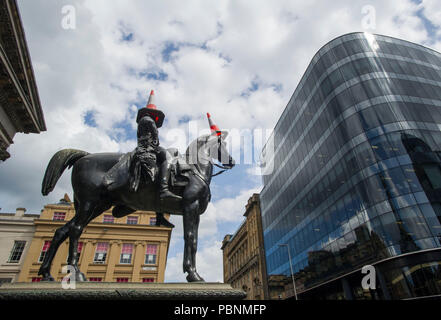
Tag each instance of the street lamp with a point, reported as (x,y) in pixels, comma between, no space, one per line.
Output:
(290,265)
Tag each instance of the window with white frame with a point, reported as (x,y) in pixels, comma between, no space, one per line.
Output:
(108,218)
(153,221)
(101,252)
(17,251)
(126,253)
(132,220)
(44,250)
(59,216)
(151,252)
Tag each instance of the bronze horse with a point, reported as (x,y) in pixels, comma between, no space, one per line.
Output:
(91,197)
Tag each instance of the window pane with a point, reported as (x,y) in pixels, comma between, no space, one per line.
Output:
(433,172)
(101,252)
(414,224)
(108,218)
(152,249)
(17,251)
(390,226)
(433,221)
(127,248)
(132,220)
(126,253)
(45,248)
(59,216)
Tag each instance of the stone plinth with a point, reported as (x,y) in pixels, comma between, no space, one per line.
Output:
(120,291)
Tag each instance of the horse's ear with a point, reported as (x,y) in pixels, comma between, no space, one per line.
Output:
(224,135)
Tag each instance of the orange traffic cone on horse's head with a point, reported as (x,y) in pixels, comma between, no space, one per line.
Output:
(151,110)
(214,128)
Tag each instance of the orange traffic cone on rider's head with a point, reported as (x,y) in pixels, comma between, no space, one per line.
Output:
(150,104)
(151,110)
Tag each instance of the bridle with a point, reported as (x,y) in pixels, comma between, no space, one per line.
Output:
(198,173)
(223,167)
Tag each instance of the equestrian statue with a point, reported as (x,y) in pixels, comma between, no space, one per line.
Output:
(150,178)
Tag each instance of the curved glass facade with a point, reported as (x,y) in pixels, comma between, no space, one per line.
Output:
(357,167)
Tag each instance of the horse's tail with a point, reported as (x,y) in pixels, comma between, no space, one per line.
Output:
(59,162)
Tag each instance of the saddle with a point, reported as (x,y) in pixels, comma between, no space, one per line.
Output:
(122,172)
(180,169)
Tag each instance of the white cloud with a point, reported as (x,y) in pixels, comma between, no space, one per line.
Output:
(212,230)
(209,265)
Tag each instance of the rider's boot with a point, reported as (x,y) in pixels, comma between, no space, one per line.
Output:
(163,222)
(164,192)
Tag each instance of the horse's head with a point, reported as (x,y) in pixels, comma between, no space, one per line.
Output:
(218,150)
(216,142)
(210,147)
(207,148)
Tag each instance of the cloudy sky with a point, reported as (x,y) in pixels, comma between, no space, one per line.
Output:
(238,60)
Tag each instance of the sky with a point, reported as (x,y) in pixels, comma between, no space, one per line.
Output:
(95,62)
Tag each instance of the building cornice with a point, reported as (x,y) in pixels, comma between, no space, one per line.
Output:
(34,105)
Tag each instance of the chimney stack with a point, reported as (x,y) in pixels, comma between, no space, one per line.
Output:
(19,212)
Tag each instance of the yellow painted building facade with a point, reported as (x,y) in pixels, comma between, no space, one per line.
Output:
(128,249)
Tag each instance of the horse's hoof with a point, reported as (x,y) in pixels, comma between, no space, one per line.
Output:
(47,278)
(80,277)
(45,275)
(164,223)
(194,277)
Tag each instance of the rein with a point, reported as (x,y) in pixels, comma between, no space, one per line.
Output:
(197,173)
(220,167)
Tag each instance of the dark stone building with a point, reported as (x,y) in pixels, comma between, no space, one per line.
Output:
(243,256)
(357,173)
(20,109)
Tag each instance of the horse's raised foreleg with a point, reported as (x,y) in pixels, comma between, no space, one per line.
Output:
(191,225)
(60,235)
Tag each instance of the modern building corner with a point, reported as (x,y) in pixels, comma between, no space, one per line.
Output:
(357,173)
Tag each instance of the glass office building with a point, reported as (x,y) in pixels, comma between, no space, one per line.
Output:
(357,173)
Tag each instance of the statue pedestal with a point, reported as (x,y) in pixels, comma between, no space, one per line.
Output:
(120,291)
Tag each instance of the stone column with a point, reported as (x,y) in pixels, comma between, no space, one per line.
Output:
(112,259)
(138,260)
(161,261)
